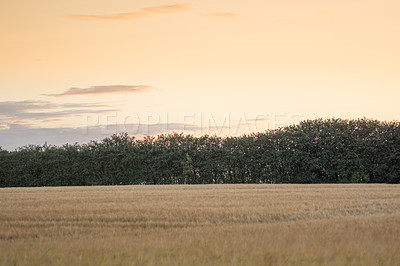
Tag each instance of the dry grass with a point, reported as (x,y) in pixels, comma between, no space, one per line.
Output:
(202,224)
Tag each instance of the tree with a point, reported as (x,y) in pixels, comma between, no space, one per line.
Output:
(187,169)
(313,151)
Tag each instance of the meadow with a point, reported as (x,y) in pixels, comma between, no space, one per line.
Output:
(256,224)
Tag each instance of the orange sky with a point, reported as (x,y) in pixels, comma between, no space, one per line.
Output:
(194,64)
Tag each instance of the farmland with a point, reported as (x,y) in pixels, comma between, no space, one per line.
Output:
(201,224)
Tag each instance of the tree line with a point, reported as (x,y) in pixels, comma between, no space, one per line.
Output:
(313,151)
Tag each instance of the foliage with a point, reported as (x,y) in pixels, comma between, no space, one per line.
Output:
(314,151)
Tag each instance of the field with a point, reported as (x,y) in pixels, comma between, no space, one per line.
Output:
(201,224)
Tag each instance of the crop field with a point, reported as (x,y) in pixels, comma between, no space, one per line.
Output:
(201,224)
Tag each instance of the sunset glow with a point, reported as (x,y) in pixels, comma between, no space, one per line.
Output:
(81,70)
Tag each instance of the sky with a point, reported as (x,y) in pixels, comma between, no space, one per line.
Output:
(75,71)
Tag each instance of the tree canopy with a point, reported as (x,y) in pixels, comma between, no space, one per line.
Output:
(313,151)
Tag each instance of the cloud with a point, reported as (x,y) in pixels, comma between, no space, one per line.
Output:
(83,105)
(59,114)
(10,108)
(144,12)
(28,111)
(222,15)
(17,107)
(108,89)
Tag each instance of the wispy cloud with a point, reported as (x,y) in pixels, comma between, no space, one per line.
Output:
(222,15)
(60,114)
(12,107)
(144,12)
(25,112)
(108,89)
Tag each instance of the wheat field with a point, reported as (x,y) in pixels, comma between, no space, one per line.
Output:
(201,225)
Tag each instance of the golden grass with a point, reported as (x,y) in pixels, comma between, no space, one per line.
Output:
(201,224)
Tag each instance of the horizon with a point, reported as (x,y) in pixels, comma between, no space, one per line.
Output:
(75,72)
(101,133)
